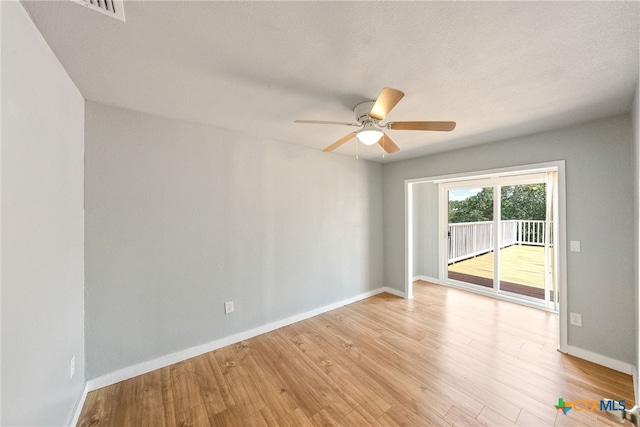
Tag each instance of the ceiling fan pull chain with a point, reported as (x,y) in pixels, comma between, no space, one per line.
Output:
(357,158)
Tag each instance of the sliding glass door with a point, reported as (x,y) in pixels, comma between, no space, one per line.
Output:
(470,235)
(499,236)
(522,257)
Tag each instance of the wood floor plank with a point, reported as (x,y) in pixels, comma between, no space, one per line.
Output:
(295,418)
(360,417)
(444,358)
(223,387)
(154,418)
(272,387)
(382,365)
(458,417)
(96,410)
(262,418)
(185,389)
(575,419)
(525,419)
(245,394)
(307,379)
(491,418)
(492,376)
(193,417)
(127,411)
(232,416)
(362,394)
(152,383)
(324,419)
(437,376)
(167,397)
(509,411)
(394,417)
(210,390)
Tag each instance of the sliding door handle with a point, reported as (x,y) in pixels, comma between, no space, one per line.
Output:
(632,415)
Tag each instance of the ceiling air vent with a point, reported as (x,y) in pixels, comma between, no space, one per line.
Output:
(113,8)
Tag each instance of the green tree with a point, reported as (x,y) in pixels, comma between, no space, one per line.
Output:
(518,202)
(524,202)
(472,209)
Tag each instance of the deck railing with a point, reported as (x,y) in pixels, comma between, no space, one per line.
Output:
(469,239)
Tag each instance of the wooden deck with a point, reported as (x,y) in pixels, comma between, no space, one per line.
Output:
(522,270)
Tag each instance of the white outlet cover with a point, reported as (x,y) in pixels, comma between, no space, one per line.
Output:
(575,319)
(72,367)
(574,245)
(228,307)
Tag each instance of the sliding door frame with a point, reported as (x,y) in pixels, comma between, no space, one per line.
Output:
(495,183)
(559,242)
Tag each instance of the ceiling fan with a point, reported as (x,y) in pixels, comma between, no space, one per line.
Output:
(369,114)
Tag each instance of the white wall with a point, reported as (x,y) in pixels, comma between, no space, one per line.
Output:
(182,217)
(599,170)
(42,229)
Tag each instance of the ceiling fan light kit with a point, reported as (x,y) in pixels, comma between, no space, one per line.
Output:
(368,135)
(370,113)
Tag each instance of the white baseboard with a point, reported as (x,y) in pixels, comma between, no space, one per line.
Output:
(427,279)
(170,359)
(617,365)
(393,291)
(79,405)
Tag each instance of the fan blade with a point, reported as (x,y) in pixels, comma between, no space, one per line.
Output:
(440,126)
(387,99)
(322,122)
(339,142)
(387,144)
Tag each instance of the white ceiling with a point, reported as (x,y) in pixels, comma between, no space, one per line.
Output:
(499,69)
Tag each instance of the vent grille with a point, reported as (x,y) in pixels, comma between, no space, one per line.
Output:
(113,8)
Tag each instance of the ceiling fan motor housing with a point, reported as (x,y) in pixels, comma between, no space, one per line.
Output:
(362,111)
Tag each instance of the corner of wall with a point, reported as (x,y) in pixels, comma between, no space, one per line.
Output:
(1,5)
(635,120)
(42,260)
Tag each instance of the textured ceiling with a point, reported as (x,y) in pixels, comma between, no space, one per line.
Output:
(499,69)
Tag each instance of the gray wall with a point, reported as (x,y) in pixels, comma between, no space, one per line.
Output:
(599,170)
(425,231)
(182,217)
(41,230)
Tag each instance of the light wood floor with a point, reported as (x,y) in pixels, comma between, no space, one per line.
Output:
(519,264)
(446,357)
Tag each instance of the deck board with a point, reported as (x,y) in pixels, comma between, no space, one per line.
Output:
(520,264)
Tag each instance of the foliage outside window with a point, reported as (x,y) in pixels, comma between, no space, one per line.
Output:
(525,202)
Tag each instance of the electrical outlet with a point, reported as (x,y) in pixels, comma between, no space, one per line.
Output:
(228,307)
(72,367)
(575,319)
